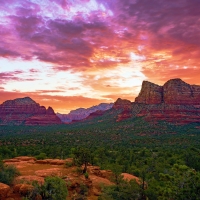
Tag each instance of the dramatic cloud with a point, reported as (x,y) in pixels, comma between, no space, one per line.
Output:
(10,76)
(84,48)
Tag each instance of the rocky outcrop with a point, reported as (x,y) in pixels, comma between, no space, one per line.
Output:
(129,177)
(36,172)
(174,91)
(83,113)
(23,189)
(176,102)
(4,189)
(180,103)
(26,111)
(177,92)
(122,104)
(125,106)
(150,93)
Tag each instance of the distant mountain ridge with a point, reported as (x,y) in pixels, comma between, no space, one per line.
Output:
(26,111)
(83,113)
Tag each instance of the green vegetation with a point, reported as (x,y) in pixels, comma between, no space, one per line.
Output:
(7,173)
(82,156)
(54,188)
(123,191)
(166,157)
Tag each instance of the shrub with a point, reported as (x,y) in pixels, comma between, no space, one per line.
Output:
(79,170)
(41,156)
(54,188)
(8,173)
(68,164)
(86,175)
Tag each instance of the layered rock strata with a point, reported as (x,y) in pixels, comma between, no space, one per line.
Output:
(176,102)
(26,111)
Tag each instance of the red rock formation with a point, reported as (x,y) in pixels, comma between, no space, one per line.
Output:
(129,177)
(4,189)
(150,93)
(178,92)
(23,189)
(31,172)
(175,102)
(122,104)
(174,91)
(124,115)
(125,106)
(95,114)
(177,114)
(180,102)
(26,111)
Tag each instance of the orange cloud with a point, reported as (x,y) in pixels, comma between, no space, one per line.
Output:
(105,50)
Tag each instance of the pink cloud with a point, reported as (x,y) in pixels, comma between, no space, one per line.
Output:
(34,71)
(13,76)
(168,32)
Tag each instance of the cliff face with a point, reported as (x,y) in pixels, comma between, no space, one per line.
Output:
(178,92)
(175,102)
(174,91)
(150,93)
(26,111)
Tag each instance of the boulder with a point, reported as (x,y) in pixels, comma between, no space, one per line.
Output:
(98,182)
(23,189)
(129,177)
(4,189)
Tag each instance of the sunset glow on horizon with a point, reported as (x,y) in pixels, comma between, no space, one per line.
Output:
(69,54)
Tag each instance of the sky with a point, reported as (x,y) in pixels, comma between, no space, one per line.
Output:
(78,53)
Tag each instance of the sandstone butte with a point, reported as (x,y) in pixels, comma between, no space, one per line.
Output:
(176,102)
(26,111)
